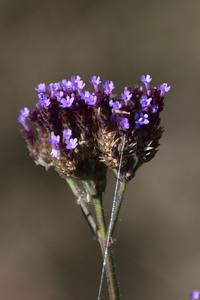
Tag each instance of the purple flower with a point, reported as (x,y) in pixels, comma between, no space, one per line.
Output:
(23,115)
(126,95)
(41,88)
(43,101)
(141,119)
(77,83)
(124,122)
(90,99)
(146,79)
(195,295)
(145,102)
(67,102)
(54,87)
(164,88)
(67,133)
(115,104)
(59,95)
(67,85)
(54,141)
(108,87)
(71,143)
(95,81)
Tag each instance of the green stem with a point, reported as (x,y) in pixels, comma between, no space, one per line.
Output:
(113,288)
(79,193)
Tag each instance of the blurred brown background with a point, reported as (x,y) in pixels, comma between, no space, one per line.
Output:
(46,251)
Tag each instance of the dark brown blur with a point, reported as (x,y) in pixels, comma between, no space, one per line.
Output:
(46,249)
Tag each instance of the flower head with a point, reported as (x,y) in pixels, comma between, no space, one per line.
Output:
(82,128)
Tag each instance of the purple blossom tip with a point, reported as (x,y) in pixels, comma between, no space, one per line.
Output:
(164,88)
(90,99)
(145,101)
(115,104)
(71,143)
(108,87)
(23,115)
(141,119)
(67,133)
(67,85)
(95,81)
(124,122)
(67,102)
(146,79)
(41,88)
(77,82)
(43,101)
(126,95)
(195,295)
(54,87)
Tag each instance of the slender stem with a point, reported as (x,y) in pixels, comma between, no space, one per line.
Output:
(120,196)
(113,288)
(98,229)
(78,193)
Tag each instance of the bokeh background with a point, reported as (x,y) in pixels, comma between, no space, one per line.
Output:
(46,251)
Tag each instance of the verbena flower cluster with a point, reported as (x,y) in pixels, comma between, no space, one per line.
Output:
(77,130)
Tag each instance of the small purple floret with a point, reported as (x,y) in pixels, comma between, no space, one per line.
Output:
(124,122)
(195,295)
(146,79)
(90,99)
(54,87)
(108,87)
(145,102)
(67,133)
(77,82)
(164,88)
(67,102)
(141,119)
(23,115)
(54,141)
(71,143)
(43,101)
(41,88)
(67,85)
(126,95)
(115,104)
(95,81)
